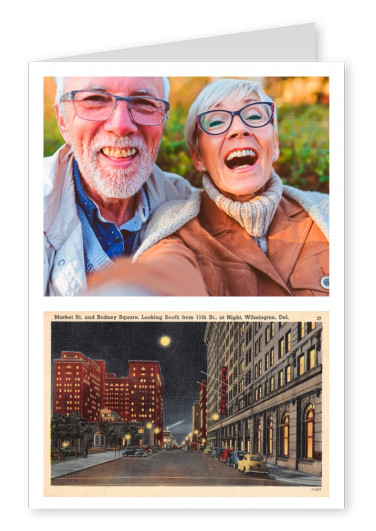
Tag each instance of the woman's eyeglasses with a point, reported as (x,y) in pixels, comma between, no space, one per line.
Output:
(254,115)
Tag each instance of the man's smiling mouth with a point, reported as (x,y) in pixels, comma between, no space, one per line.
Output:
(241,158)
(119,153)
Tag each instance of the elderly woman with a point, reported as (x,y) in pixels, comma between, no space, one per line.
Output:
(246,233)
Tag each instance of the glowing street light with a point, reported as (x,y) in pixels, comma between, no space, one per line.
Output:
(216,417)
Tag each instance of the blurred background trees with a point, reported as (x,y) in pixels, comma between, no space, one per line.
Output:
(303,127)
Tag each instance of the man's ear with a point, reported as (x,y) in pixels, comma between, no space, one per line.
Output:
(62,125)
(197,159)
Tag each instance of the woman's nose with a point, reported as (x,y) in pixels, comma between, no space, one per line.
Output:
(120,121)
(238,128)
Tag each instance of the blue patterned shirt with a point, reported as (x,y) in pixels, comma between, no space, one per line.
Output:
(115,241)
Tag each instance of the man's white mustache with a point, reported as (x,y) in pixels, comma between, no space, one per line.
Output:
(100,142)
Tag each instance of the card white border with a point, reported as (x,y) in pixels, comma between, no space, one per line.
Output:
(334,304)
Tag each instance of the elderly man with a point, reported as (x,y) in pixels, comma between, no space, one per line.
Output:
(102,185)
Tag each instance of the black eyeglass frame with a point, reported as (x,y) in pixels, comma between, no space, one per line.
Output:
(236,113)
(71,96)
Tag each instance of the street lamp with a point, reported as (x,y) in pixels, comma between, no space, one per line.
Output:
(156,432)
(128,437)
(149,426)
(216,417)
(196,437)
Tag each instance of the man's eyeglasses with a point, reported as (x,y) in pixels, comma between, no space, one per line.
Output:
(253,115)
(98,106)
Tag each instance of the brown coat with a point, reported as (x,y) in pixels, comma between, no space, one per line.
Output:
(213,255)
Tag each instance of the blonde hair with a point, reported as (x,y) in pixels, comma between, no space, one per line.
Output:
(216,92)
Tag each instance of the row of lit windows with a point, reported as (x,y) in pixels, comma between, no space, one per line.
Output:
(284,377)
(284,343)
(282,446)
(307,435)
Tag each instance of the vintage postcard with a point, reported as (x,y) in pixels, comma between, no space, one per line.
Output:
(186,404)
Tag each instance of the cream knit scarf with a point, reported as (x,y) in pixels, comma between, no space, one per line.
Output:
(255,215)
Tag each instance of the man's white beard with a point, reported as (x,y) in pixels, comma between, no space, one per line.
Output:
(115,183)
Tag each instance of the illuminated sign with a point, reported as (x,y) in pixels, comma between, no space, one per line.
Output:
(223,389)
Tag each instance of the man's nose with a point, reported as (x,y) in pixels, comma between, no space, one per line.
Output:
(120,121)
(238,128)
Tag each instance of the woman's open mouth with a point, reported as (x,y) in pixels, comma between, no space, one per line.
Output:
(241,158)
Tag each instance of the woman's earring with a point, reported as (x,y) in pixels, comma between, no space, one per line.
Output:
(203,168)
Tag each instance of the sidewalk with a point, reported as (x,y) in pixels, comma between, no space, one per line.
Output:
(79,463)
(293,476)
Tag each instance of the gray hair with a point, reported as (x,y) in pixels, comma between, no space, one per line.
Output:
(216,92)
(60,84)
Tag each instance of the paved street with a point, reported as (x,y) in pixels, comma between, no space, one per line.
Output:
(172,468)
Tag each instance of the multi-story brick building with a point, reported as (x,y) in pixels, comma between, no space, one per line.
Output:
(264,391)
(78,385)
(146,394)
(116,397)
(81,384)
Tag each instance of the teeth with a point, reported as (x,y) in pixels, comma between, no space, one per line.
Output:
(119,153)
(241,153)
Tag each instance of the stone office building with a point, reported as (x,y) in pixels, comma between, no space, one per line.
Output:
(264,391)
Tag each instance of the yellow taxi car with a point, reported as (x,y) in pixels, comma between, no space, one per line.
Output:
(252,463)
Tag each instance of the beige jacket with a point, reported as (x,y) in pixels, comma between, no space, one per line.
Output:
(64,265)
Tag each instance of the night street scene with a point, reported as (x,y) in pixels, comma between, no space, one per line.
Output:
(187,404)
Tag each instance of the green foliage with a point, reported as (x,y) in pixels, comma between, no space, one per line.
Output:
(108,432)
(70,427)
(52,137)
(304,146)
(135,436)
(174,155)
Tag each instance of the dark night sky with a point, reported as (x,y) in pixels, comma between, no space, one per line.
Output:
(116,343)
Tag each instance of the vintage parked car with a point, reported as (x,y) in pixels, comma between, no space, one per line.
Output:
(217,452)
(133,451)
(154,448)
(252,463)
(225,455)
(235,457)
